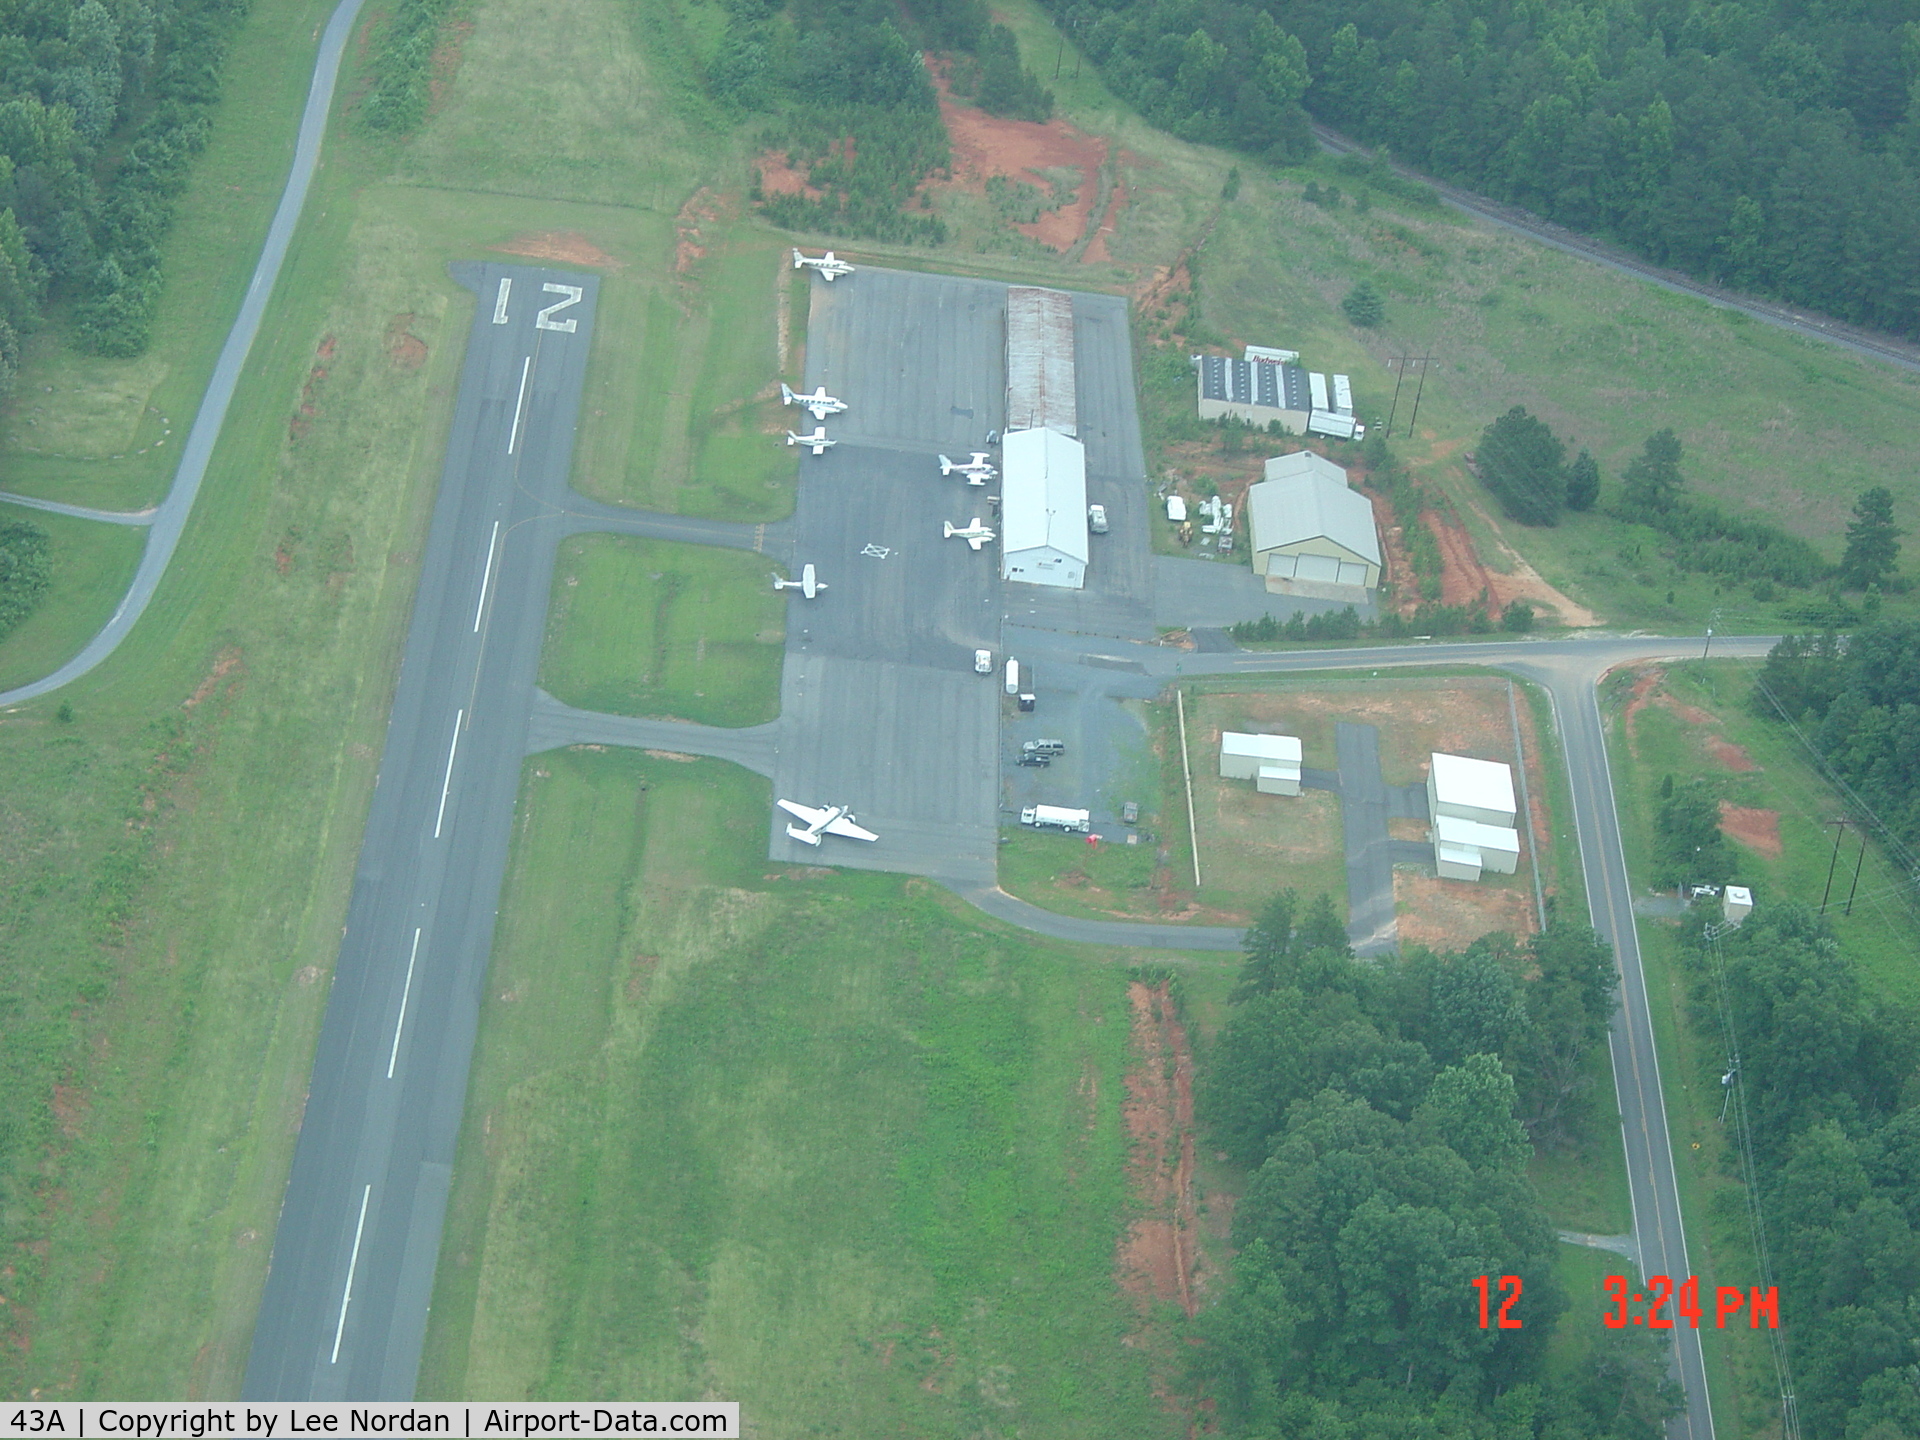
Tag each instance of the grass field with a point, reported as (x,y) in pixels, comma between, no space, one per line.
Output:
(816,1142)
(92,564)
(655,628)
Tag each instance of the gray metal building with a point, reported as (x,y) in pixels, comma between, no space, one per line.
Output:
(1041,393)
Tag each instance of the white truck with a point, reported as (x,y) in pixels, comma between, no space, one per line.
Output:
(1055,817)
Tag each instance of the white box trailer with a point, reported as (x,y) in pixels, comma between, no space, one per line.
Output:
(1013,676)
(1056,817)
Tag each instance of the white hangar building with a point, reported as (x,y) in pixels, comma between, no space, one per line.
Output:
(1043,468)
(1043,509)
(1471,805)
(1311,533)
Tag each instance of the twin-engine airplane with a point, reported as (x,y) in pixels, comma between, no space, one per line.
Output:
(973,532)
(819,402)
(807,584)
(828,820)
(817,441)
(829,265)
(977,470)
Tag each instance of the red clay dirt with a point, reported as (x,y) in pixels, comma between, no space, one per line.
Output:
(1733,756)
(406,350)
(985,145)
(1756,829)
(777,177)
(1156,1257)
(569,247)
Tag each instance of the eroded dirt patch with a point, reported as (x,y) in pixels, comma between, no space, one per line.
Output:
(569,247)
(1452,914)
(1156,1257)
(1756,829)
(406,350)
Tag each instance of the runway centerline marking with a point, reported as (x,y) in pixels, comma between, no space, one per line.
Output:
(405,991)
(493,544)
(500,301)
(353,1263)
(447,784)
(519,404)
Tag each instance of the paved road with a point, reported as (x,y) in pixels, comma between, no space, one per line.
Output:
(81,512)
(169,520)
(1870,343)
(345,1309)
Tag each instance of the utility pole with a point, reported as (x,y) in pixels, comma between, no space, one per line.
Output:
(1711,620)
(1859,860)
(1842,823)
(1399,364)
(1059,55)
(1418,391)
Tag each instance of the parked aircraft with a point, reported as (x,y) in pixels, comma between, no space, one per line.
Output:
(973,532)
(830,266)
(807,585)
(828,820)
(817,441)
(977,470)
(819,402)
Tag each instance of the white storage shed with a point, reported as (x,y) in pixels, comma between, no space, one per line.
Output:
(1272,762)
(1470,789)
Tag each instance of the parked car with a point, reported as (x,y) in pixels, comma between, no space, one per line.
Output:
(1097,519)
(1130,813)
(1037,760)
(1044,747)
(983,662)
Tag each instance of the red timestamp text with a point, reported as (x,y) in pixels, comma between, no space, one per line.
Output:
(1762,1306)
(1501,1316)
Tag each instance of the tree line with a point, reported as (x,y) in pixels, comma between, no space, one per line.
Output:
(1387,1111)
(1525,467)
(102,110)
(1828,1078)
(26,571)
(1772,148)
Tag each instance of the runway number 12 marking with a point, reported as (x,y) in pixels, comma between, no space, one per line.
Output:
(500,300)
(545,321)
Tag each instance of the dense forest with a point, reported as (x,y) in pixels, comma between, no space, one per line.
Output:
(1387,1111)
(102,108)
(1772,147)
(1828,1112)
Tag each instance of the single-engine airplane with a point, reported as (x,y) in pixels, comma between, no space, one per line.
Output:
(817,441)
(827,820)
(808,585)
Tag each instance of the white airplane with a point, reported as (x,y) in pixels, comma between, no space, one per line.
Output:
(973,532)
(977,470)
(807,584)
(819,402)
(817,440)
(828,820)
(830,266)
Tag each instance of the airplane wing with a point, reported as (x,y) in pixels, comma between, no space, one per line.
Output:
(847,830)
(801,812)
(976,541)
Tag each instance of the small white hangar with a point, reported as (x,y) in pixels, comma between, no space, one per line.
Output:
(1043,509)
(1470,803)
(1272,762)
(1312,534)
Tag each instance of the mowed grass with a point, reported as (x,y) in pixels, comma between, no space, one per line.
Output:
(175,863)
(819,1143)
(92,564)
(656,628)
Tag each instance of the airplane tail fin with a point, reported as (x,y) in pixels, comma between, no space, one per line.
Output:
(796,259)
(948,524)
(946,466)
(792,439)
(786,394)
(805,837)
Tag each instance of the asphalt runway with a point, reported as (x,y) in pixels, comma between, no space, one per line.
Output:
(345,1308)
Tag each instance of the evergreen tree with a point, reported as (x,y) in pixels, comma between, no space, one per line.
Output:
(1873,541)
(1652,481)
(1524,465)
(1363,306)
(1583,482)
